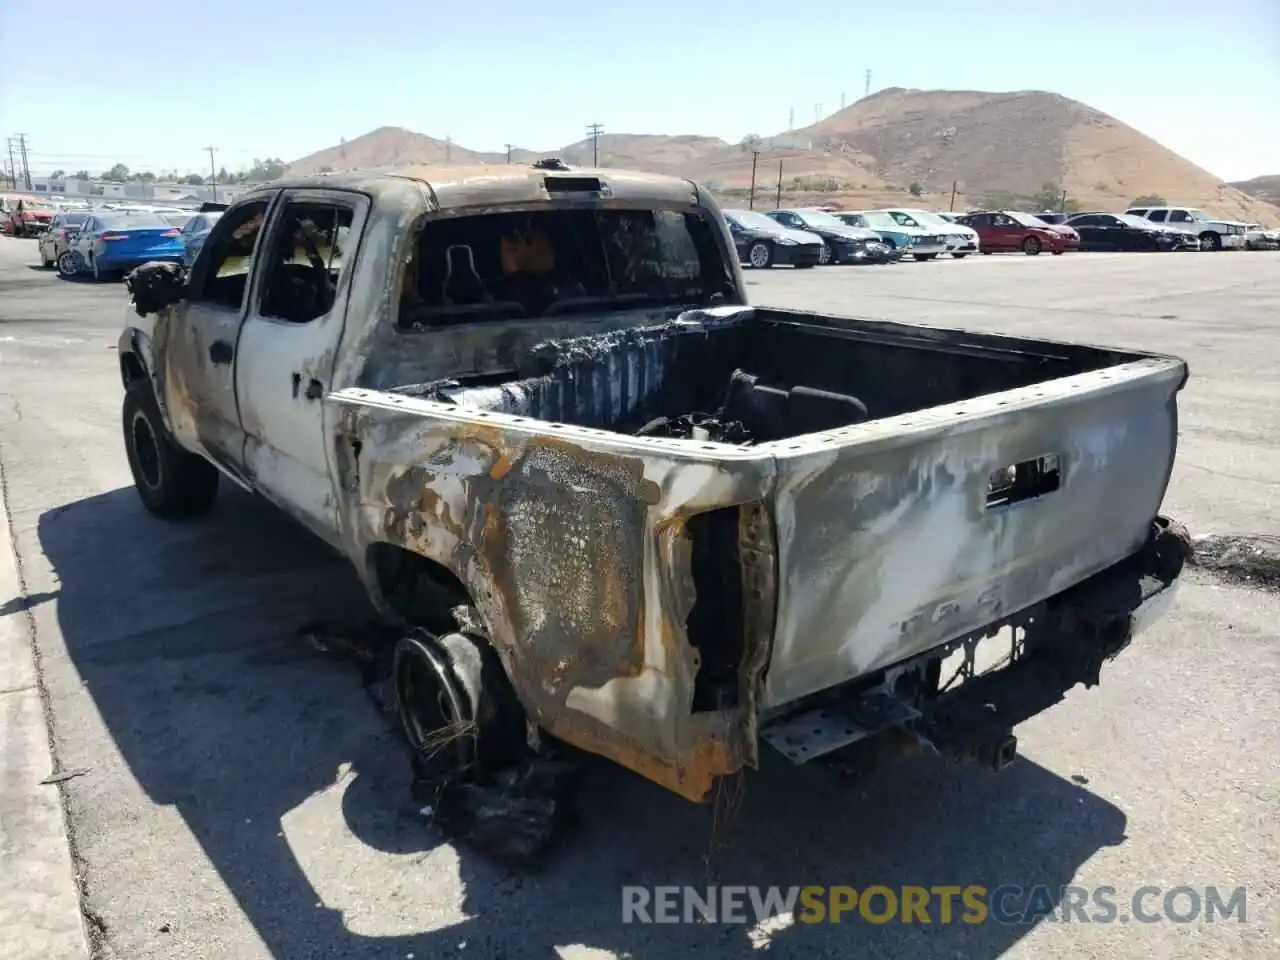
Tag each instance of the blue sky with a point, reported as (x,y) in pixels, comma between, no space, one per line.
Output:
(109,83)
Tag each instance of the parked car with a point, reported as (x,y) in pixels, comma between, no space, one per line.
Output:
(109,243)
(763,242)
(1048,216)
(1121,231)
(909,241)
(1213,234)
(1258,237)
(841,243)
(1005,231)
(961,240)
(54,242)
(564,545)
(194,232)
(30,217)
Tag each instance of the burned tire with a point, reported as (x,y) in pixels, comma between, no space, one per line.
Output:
(1031,246)
(172,483)
(456,707)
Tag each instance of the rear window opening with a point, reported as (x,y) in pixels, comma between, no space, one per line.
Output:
(545,263)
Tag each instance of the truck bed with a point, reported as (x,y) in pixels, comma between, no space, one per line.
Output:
(756,359)
(658,583)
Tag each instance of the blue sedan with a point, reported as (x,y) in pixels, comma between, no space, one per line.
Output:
(112,242)
(194,232)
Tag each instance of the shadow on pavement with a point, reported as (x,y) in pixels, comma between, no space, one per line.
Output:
(190,654)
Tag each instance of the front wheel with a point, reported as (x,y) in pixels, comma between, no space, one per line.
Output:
(172,483)
(924,257)
(760,255)
(824,255)
(67,264)
(1057,253)
(1210,241)
(958,256)
(1031,246)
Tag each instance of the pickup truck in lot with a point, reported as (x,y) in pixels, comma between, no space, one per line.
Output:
(606,500)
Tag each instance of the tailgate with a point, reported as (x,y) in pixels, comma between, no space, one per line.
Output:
(892,542)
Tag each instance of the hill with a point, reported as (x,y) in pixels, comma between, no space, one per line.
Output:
(1264,188)
(1013,143)
(999,149)
(386,146)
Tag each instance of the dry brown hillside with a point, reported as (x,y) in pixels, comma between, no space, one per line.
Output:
(997,147)
(1013,143)
(1264,188)
(386,146)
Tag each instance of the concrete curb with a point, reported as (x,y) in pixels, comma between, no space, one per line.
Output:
(39,898)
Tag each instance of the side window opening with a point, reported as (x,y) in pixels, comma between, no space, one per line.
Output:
(228,257)
(1159,216)
(304,261)
(1180,216)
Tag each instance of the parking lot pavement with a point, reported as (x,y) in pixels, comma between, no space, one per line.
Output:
(242,798)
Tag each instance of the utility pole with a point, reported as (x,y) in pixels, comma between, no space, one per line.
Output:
(508,146)
(777,201)
(448,149)
(817,112)
(342,147)
(593,131)
(1062,207)
(791,119)
(13,169)
(755,157)
(22,149)
(867,91)
(842,100)
(953,197)
(213,173)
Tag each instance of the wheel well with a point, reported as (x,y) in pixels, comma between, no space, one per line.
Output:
(415,588)
(131,369)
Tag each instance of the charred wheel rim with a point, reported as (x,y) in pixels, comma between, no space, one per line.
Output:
(67,264)
(146,450)
(758,255)
(436,712)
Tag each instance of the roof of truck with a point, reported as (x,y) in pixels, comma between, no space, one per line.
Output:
(478,185)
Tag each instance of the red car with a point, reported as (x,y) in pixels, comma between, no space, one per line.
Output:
(1004,231)
(29,217)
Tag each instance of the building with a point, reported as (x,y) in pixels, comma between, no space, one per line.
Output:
(156,192)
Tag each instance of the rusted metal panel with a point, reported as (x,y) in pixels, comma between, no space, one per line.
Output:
(574,544)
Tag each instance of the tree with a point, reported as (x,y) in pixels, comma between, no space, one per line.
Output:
(223,176)
(750,142)
(326,170)
(1049,196)
(118,172)
(915,189)
(194,179)
(1150,200)
(82,175)
(57,175)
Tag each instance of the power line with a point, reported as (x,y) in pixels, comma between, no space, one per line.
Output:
(593,131)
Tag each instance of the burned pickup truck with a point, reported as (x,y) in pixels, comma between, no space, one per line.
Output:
(608,503)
